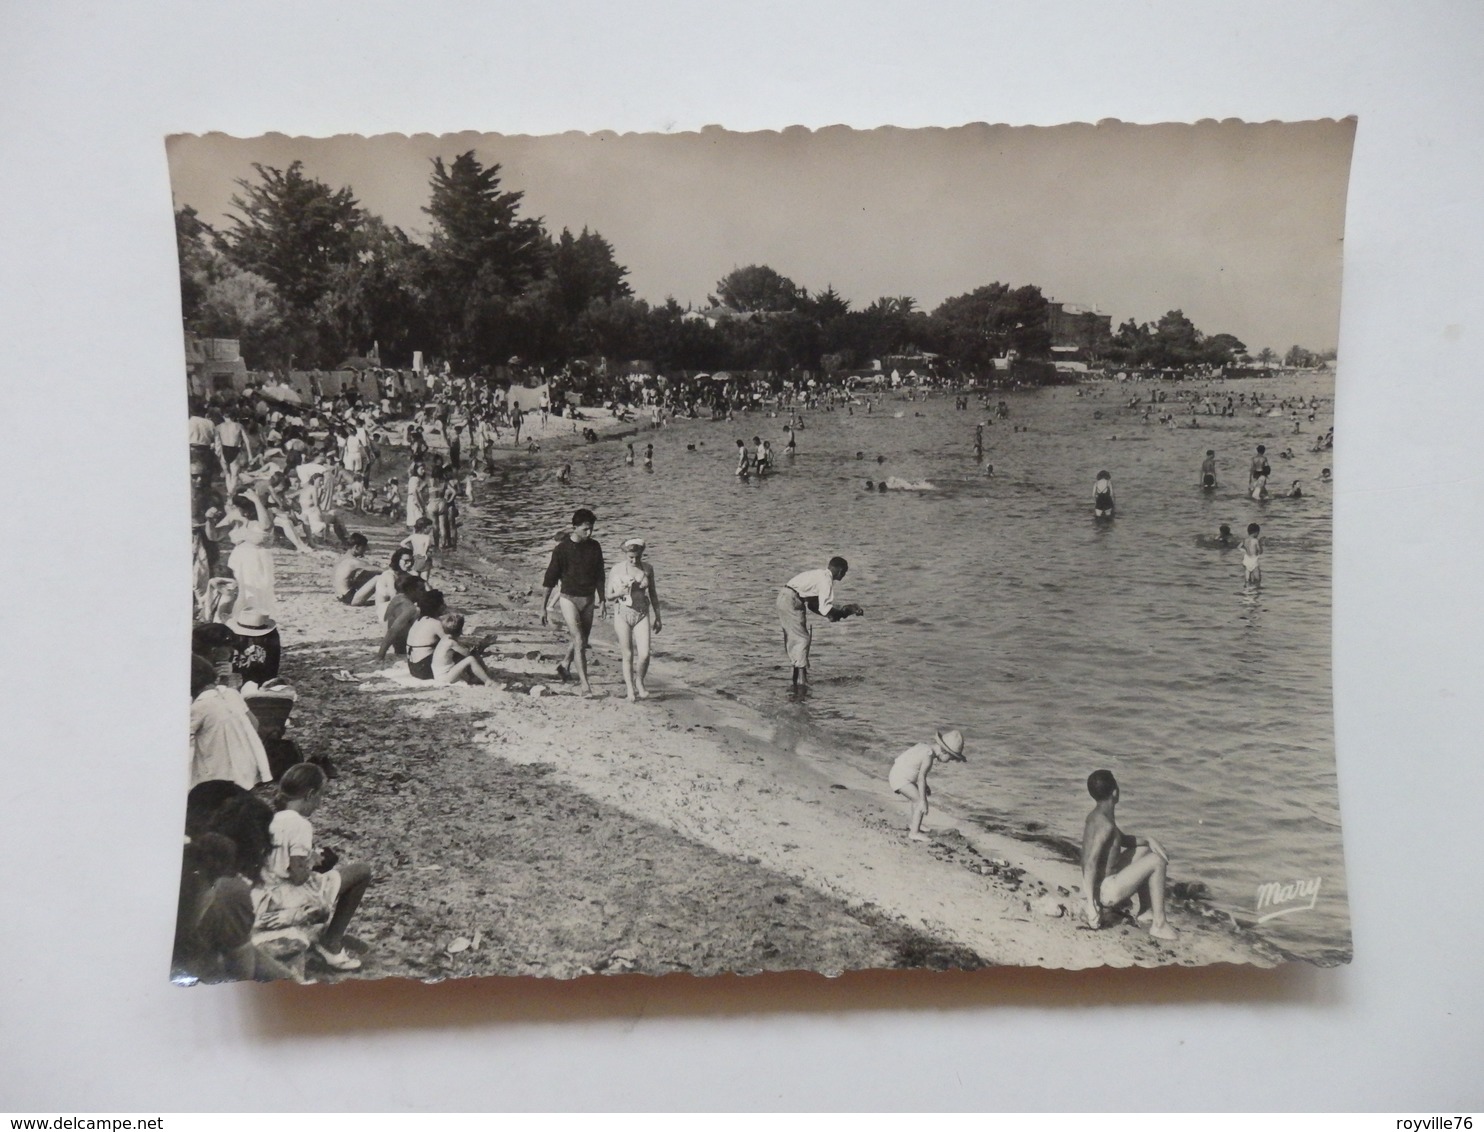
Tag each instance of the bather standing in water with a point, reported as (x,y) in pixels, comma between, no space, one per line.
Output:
(1252,556)
(813,590)
(1102,496)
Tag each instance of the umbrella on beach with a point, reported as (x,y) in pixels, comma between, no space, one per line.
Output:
(284,394)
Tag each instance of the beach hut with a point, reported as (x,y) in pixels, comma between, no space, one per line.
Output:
(214,366)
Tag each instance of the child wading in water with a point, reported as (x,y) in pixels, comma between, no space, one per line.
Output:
(1252,555)
(300,884)
(909,774)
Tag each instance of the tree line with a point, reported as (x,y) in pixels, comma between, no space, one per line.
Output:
(304,277)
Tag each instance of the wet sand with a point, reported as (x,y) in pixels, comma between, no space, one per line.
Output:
(520,834)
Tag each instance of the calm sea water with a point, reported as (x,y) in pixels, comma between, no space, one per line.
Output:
(1057,643)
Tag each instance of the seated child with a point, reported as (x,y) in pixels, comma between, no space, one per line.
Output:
(299,886)
(455,662)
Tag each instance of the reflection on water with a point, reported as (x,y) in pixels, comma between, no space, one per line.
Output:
(998,605)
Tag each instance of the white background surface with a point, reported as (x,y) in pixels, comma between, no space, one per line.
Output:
(92,456)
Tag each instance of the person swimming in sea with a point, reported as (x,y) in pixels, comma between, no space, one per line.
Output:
(1102,496)
(1208,469)
(628,456)
(1223,539)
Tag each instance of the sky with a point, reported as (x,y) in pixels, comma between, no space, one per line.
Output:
(1239,225)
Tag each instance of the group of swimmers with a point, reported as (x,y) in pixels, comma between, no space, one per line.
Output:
(759,459)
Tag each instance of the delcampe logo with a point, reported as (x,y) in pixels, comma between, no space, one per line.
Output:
(1275,899)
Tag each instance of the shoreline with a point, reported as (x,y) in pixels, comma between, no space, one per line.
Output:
(768,827)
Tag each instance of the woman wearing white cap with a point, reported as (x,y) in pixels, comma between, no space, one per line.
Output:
(909,774)
(636,603)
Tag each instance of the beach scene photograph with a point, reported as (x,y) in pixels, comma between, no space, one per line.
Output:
(714,552)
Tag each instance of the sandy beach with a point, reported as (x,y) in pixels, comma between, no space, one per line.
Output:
(515,833)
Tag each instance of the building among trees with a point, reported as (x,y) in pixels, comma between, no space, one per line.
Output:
(1082,328)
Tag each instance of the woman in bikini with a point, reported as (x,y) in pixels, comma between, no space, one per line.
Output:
(426,632)
(631,589)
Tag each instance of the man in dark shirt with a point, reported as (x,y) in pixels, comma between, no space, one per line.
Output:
(576,569)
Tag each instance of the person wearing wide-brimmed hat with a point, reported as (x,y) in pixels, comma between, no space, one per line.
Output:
(636,605)
(255,646)
(910,772)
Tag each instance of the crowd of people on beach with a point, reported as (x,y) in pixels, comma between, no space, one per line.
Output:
(257,892)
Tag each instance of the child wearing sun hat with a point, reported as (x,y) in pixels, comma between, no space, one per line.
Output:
(909,773)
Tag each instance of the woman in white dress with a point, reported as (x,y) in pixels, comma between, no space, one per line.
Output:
(251,560)
(417,495)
